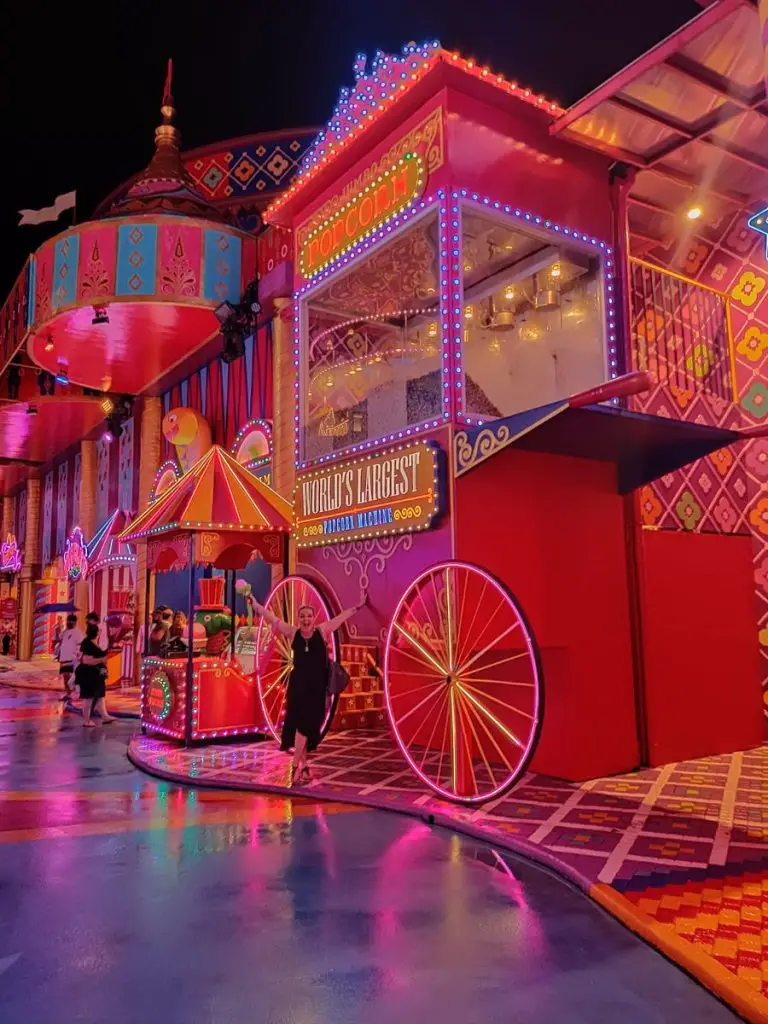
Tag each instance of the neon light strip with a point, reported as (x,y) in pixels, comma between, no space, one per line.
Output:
(299,311)
(375,93)
(538,222)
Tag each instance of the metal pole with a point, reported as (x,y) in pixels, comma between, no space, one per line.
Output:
(232,607)
(190,647)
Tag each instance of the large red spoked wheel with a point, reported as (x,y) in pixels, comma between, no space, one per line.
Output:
(274,656)
(463,683)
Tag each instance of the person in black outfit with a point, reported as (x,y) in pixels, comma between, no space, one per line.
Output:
(91,677)
(305,700)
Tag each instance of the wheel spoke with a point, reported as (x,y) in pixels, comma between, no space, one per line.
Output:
(488,622)
(411,611)
(463,668)
(468,711)
(415,689)
(431,737)
(470,678)
(465,743)
(420,649)
(454,760)
(491,717)
(411,672)
(497,700)
(422,702)
(443,747)
(492,738)
(426,718)
(450,624)
(471,628)
(495,664)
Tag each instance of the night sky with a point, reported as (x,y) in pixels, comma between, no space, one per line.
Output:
(81,86)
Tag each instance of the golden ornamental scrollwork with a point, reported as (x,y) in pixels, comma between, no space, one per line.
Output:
(488,441)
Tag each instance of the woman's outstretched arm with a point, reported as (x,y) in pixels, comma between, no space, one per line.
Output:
(282,627)
(333,624)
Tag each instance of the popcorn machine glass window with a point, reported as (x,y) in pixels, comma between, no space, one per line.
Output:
(371,345)
(532,318)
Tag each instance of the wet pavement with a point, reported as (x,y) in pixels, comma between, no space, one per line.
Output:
(131,901)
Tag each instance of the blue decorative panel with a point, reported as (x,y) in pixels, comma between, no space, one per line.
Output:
(126,468)
(221,266)
(136,259)
(66,255)
(61,507)
(47,517)
(75,517)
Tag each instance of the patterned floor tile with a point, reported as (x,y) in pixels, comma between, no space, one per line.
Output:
(698,865)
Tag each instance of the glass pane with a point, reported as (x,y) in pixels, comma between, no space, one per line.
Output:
(732,48)
(533,322)
(665,90)
(613,126)
(372,356)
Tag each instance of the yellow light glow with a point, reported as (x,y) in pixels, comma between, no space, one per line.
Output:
(556,271)
(468,313)
(694,213)
(509,293)
(432,330)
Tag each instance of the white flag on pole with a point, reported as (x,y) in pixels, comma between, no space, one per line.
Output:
(49,213)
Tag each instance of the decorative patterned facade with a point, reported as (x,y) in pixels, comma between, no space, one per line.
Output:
(727,492)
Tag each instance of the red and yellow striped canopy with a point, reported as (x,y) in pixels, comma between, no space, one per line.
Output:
(217,493)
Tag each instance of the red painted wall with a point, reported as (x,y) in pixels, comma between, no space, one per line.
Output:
(699,644)
(508,154)
(557,540)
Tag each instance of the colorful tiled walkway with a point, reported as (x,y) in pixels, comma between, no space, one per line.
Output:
(680,853)
(126,899)
(44,675)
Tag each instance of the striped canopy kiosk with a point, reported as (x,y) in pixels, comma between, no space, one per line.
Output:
(217,514)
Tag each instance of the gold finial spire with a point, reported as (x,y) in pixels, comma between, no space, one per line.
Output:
(167,108)
(167,134)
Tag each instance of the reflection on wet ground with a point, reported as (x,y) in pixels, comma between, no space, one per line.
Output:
(125,900)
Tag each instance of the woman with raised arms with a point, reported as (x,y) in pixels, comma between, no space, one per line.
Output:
(305,700)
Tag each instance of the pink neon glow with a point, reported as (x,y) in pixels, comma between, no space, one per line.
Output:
(76,555)
(311,595)
(533,734)
(10,557)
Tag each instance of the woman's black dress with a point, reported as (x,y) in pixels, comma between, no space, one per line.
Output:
(92,679)
(307,685)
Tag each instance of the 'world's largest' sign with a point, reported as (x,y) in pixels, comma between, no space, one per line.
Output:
(392,192)
(395,491)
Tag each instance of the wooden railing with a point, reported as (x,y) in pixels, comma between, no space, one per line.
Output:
(680,332)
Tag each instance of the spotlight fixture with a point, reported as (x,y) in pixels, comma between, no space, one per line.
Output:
(234,343)
(250,299)
(225,312)
(113,427)
(694,212)
(100,315)
(118,411)
(238,321)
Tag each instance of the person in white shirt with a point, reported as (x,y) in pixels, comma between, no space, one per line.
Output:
(69,653)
